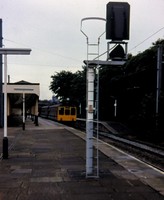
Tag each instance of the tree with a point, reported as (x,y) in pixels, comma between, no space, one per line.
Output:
(106,97)
(132,85)
(61,84)
(72,86)
(136,90)
(79,91)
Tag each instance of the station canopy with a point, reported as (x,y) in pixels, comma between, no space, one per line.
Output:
(15,93)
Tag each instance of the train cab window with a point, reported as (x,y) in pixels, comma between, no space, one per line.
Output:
(61,111)
(73,111)
(67,112)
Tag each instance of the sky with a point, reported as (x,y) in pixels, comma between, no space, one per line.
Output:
(51,28)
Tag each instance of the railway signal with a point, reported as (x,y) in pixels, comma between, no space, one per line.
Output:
(117,21)
(117,29)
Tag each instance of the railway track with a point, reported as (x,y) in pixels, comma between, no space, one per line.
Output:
(153,156)
(146,152)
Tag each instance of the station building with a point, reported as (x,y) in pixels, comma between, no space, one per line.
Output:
(21,94)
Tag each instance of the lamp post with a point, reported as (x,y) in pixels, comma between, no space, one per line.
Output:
(5,52)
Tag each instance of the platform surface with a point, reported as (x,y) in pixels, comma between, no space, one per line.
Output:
(48,162)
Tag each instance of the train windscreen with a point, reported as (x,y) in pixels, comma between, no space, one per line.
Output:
(73,111)
(67,112)
(61,111)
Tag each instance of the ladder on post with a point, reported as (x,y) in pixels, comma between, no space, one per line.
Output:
(92,161)
(92,50)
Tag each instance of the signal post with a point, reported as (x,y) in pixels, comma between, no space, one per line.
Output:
(117,29)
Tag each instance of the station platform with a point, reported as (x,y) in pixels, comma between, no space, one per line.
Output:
(48,162)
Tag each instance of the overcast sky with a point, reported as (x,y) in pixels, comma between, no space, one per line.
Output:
(51,28)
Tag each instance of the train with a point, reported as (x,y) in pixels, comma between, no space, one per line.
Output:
(60,113)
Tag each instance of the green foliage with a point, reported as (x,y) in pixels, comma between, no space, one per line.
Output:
(133,86)
(106,97)
(67,85)
(62,83)
(136,90)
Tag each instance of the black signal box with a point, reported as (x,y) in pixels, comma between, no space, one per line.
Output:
(117,21)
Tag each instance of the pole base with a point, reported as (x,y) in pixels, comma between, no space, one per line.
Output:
(5,148)
(36,120)
(23,126)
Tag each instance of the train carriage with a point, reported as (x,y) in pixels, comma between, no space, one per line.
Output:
(66,113)
(59,113)
(53,112)
(44,112)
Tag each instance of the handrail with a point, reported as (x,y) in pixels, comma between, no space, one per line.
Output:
(91,18)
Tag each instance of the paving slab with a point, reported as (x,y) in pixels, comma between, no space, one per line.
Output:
(49,163)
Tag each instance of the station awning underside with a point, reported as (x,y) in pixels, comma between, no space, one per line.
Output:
(16,100)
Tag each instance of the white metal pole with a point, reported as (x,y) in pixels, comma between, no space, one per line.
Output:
(5,95)
(90,103)
(5,139)
(89,125)
(5,52)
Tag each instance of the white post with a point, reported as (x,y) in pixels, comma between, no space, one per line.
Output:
(5,52)
(89,124)
(5,95)
(90,101)
(5,139)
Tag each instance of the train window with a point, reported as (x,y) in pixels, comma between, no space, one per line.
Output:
(67,112)
(73,111)
(61,111)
